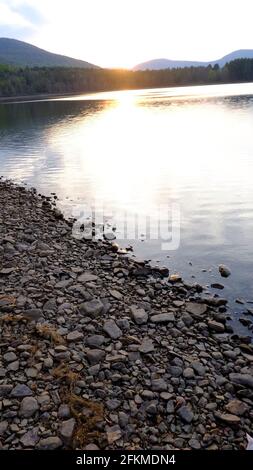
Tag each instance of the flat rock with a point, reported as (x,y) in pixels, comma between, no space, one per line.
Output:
(95,356)
(115,294)
(198,367)
(95,340)
(228,418)
(159,385)
(75,336)
(93,307)
(111,329)
(236,407)
(113,434)
(20,391)
(195,308)
(146,346)
(163,318)
(33,314)
(242,379)
(185,414)
(216,326)
(139,315)
(50,443)
(87,277)
(67,430)
(28,407)
(30,438)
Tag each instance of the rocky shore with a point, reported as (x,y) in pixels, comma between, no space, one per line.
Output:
(100,351)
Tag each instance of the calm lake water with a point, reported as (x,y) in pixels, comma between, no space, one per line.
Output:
(134,152)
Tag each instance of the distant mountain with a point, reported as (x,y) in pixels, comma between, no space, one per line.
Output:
(19,53)
(158,64)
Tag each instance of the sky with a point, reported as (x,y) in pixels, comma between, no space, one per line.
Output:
(123,33)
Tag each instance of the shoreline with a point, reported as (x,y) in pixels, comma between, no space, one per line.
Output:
(100,352)
(45,96)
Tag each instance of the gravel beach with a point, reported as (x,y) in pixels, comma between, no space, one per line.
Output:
(100,351)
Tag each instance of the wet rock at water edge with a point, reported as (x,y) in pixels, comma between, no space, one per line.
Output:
(224,270)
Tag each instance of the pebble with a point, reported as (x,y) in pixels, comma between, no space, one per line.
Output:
(67,430)
(185,414)
(139,315)
(28,407)
(75,336)
(112,329)
(163,318)
(92,308)
(20,391)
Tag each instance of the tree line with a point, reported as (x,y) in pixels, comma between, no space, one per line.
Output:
(16,81)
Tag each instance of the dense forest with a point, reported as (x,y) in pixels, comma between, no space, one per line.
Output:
(59,80)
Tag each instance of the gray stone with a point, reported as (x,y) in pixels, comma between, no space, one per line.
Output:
(50,443)
(224,270)
(30,438)
(115,294)
(67,430)
(185,414)
(194,444)
(10,357)
(33,314)
(28,407)
(163,318)
(64,411)
(87,277)
(139,315)
(50,305)
(91,447)
(5,390)
(93,307)
(159,385)
(228,418)
(20,391)
(198,368)
(95,356)
(188,373)
(113,404)
(236,407)
(146,346)
(113,433)
(74,336)
(170,407)
(242,379)
(3,427)
(195,308)
(216,326)
(187,319)
(95,340)
(175,371)
(112,329)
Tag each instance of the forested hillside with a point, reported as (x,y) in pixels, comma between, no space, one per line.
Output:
(56,80)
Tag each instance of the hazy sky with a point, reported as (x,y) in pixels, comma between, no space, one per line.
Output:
(122,33)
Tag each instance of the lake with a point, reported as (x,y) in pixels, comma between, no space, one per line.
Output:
(176,157)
